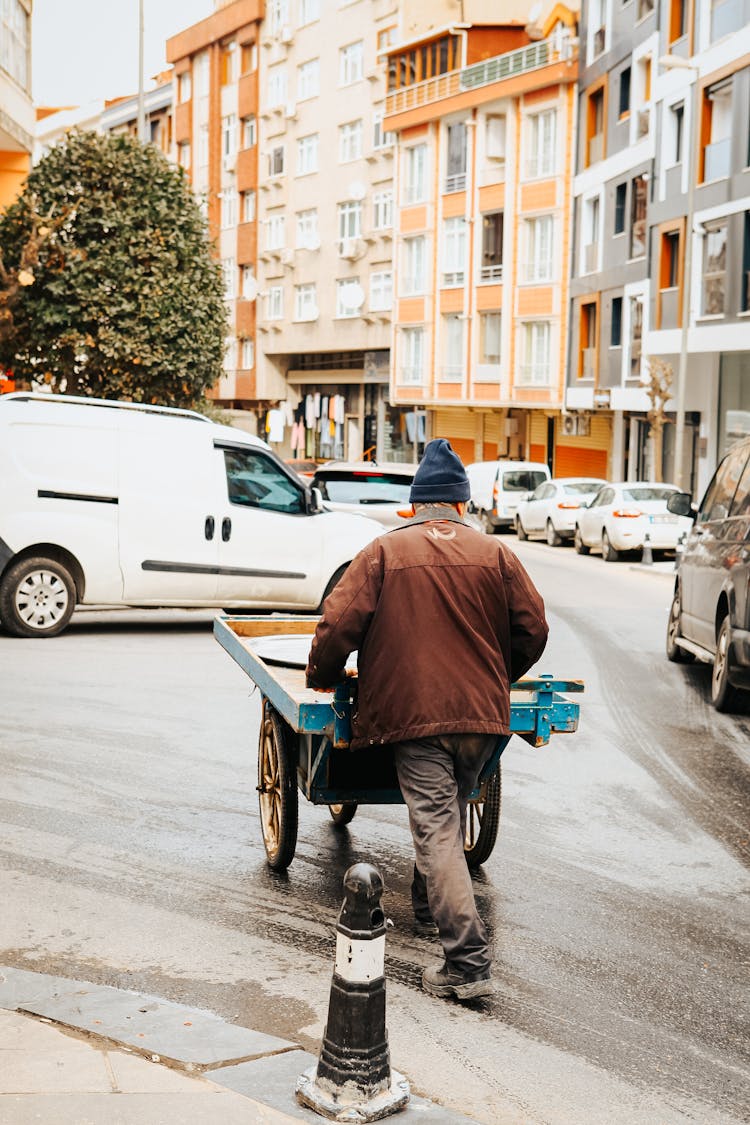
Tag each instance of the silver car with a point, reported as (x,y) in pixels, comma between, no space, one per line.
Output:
(367,488)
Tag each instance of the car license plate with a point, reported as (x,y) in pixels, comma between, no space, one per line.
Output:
(662,519)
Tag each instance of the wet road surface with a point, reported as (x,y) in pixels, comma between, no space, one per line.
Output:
(617,895)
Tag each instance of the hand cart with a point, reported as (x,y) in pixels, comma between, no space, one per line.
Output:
(304,743)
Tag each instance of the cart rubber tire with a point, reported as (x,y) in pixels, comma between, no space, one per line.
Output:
(578,543)
(724,696)
(483,822)
(343,813)
(609,554)
(37,598)
(277,789)
(554,539)
(676,654)
(521,530)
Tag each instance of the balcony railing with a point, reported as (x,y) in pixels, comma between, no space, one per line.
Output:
(717,159)
(491,273)
(537,271)
(670,307)
(591,257)
(534,375)
(456,182)
(411,374)
(453,278)
(559,46)
(451,373)
(600,39)
(588,363)
(596,148)
(727,17)
(714,295)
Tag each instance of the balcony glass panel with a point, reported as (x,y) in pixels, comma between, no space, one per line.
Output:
(728,16)
(670,308)
(717,160)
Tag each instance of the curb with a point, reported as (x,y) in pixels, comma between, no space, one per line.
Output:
(262,1068)
(653,570)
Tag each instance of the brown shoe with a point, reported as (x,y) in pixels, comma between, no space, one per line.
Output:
(445,981)
(425,927)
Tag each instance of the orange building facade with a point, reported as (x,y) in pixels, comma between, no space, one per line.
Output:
(482,254)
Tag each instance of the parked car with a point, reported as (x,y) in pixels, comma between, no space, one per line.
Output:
(302,467)
(710,614)
(380,491)
(497,488)
(121,503)
(619,517)
(550,511)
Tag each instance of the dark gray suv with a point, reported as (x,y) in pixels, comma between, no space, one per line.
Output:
(710,614)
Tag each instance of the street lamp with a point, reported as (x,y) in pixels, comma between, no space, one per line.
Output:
(675,62)
(141,103)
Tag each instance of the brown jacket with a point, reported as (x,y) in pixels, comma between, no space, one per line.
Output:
(444,618)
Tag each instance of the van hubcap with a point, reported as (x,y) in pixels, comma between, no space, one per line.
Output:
(41,599)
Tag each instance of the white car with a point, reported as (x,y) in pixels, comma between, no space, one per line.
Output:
(379,491)
(551,509)
(620,516)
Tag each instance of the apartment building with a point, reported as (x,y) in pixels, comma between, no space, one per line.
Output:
(484,113)
(16,110)
(609,288)
(215,66)
(699,227)
(120,115)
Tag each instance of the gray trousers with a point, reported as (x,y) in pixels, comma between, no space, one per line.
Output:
(436,776)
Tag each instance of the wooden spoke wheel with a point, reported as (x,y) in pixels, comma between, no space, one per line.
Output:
(483,822)
(343,813)
(277,789)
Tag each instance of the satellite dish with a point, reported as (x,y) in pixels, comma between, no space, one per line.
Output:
(250,289)
(354,295)
(357,190)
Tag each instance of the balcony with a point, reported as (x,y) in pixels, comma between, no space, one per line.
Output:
(588,363)
(534,375)
(453,279)
(728,17)
(451,373)
(456,182)
(491,273)
(596,148)
(717,160)
(536,272)
(714,295)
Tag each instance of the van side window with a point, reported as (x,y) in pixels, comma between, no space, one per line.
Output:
(718,498)
(741,502)
(255,482)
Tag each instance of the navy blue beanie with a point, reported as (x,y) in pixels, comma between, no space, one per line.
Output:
(440,476)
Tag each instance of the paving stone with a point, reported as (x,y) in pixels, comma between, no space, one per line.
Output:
(36,1057)
(137,1109)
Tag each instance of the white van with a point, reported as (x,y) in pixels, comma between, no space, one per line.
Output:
(121,503)
(497,488)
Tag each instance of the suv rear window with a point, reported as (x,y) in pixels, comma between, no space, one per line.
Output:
(364,488)
(523,480)
(645,494)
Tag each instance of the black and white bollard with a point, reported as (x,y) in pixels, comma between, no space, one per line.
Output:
(353,1081)
(647,559)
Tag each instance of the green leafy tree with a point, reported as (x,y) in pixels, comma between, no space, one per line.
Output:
(107,282)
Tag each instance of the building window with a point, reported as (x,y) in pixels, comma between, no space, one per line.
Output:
(489,337)
(621,195)
(229,269)
(418,64)
(275,302)
(14,41)
(415,266)
(539,248)
(249,285)
(599,27)
(203,146)
(350,220)
(644,8)
(382,210)
(183,155)
(184,87)
(535,368)
(412,355)
(228,208)
(492,246)
(677,25)
(591,235)
(714,270)
(229,135)
(277,15)
(307,229)
(201,73)
(716,131)
(624,91)
(670,256)
(309,11)
(638,206)
(455,173)
(350,141)
(229,62)
(307,154)
(248,354)
(275,232)
(249,131)
(381,291)
(276,161)
(248,206)
(636,336)
(726,18)
(305,302)
(541,145)
(454,250)
(351,61)
(587,342)
(677,123)
(386,38)
(380,138)
(276,86)
(494,136)
(745,284)
(415,178)
(347,293)
(248,58)
(615,335)
(308,80)
(453,348)
(595,127)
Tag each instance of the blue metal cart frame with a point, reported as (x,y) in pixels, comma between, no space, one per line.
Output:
(305,734)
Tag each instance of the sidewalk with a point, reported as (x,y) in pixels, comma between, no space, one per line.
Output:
(66,1047)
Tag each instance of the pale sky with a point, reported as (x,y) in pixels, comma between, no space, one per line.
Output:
(83,50)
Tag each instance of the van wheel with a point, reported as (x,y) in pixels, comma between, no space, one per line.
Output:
(37,598)
(578,543)
(521,530)
(723,695)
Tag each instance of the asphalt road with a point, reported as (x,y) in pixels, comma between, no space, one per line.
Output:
(617,896)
